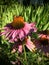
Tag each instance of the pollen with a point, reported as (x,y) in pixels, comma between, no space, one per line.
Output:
(18,22)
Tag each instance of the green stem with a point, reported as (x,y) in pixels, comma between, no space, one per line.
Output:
(25,55)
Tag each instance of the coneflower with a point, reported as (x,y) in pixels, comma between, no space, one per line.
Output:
(42,43)
(18,32)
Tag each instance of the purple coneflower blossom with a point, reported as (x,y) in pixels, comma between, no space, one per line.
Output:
(17,31)
(42,43)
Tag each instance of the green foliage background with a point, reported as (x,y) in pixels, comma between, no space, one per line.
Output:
(38,14)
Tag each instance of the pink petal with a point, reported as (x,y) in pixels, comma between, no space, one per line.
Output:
(26,28)
(17,46)
(14,34)
(26,31)
(21,35)
(14,48)
(43,36)
(3,33)
(40,35)
(15,39)
(5,28)
(20,48)
(13,62)
(13,51)
(11,40)
(48,37)
(35,29)
(10,35)
(30,45)
(32,24)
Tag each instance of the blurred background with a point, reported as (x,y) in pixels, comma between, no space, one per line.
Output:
(32,11)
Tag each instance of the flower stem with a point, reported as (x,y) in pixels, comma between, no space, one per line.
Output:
(25,55)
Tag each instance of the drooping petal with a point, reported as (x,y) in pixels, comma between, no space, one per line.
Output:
(11,40)
(14,34)
(15,39)
(20,48)
(3,33)
(21,35)
(10,35)
(14,48)
(13,51)
(5,28)
(30,45)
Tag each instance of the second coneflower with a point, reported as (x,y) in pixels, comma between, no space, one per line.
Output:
(17,31)
(42,43)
